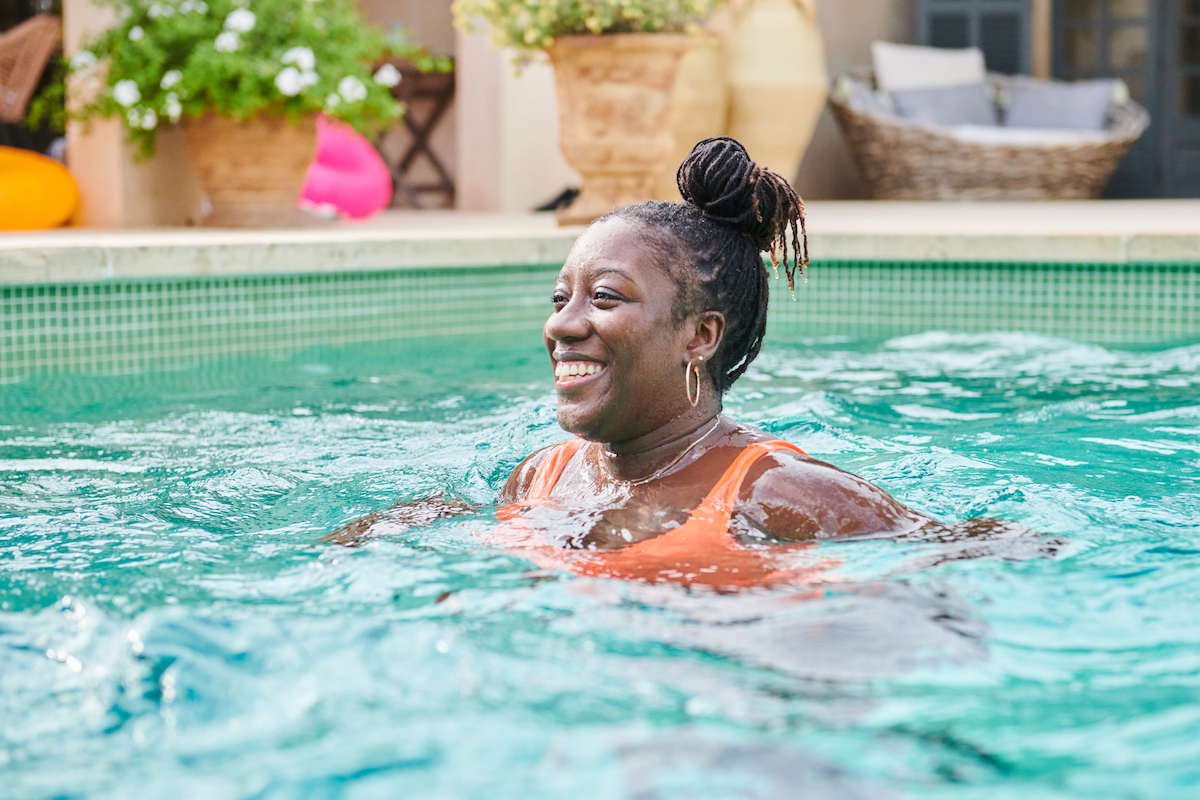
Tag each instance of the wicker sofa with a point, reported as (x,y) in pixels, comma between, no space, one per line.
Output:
(903,159)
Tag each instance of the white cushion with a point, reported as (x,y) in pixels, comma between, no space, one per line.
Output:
(1022,137)
(906,66)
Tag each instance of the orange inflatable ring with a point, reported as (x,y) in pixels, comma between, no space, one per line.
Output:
(35,191)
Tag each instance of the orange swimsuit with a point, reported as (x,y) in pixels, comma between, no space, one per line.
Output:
(701,551)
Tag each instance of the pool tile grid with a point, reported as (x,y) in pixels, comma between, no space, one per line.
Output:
(134,325)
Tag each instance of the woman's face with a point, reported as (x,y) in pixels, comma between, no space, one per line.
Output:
(617,354)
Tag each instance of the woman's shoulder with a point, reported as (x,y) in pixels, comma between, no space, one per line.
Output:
(794,496)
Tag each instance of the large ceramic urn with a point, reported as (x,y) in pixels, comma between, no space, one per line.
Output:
(251,171)
(614,106)
(700,110)
(778,82)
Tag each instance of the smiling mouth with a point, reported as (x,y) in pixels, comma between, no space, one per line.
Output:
(572,372)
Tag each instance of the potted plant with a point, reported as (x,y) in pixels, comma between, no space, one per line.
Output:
(245,80)
(615,63)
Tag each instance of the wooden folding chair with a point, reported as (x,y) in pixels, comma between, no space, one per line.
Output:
(24,53)
(436,89)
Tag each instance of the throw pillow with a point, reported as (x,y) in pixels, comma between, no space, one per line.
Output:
(947,105)
(1079,106)
(906,66)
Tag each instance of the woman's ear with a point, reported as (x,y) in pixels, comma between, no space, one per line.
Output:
(710,327)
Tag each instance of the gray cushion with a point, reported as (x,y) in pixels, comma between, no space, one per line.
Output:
(864,99)
(968,104)
(1081,106)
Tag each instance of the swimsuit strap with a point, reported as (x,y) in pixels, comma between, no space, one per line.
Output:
(716,510)
(551,467)
(719,501)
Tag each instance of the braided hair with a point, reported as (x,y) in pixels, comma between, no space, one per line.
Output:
(733,210)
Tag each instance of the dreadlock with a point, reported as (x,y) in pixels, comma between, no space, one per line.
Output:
(733,210)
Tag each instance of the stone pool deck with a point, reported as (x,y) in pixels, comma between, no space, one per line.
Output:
(1099,232)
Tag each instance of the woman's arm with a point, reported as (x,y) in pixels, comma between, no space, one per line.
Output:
(415,513)
(397,519)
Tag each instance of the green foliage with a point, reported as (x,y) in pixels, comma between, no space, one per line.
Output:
(533,24)
(176,59)
(49,108)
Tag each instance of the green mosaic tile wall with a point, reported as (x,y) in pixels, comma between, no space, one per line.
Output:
(138,325)
(1121,304)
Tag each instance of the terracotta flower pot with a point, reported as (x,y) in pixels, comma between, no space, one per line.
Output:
(252,172)
(614,107)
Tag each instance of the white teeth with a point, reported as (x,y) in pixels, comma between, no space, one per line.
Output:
(571,369)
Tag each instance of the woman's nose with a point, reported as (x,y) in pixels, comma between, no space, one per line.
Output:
(567,323)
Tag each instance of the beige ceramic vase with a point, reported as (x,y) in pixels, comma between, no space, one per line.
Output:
(614,107)
(252,172)
(700,109)
(778,81)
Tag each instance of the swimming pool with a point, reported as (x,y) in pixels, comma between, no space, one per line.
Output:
(171,625)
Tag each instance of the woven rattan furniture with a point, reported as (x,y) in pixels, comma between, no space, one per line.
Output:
(907,160)
(24,53)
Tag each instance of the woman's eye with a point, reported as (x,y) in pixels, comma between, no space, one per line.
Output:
(559,299)
(605,296)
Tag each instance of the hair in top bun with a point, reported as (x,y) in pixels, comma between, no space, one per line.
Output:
(713,244)
(719,178)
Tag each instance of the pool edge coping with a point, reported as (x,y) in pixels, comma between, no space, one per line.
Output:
(74,258)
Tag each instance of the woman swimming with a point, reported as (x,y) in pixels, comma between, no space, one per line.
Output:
(659,308)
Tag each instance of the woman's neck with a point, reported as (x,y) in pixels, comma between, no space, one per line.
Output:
(635,458)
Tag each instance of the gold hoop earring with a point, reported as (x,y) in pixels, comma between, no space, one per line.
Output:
(687,383)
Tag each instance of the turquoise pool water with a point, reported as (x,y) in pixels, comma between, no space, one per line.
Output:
(170,624)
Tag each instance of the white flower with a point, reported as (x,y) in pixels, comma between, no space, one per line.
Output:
(319,24)
(134,118)
(241,20)
(168,10)
(149,120)
(289,81)
(352,89)
(201,7)
(188,6)
(302,57)
(172,78)
(126,93)
(136,33)
(83,60)
(228,42)
(155,11)
(332,100)
(387,76)
(172,107)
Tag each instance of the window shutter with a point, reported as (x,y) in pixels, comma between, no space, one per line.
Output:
(1000,28)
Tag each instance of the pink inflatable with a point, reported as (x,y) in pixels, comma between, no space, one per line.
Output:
(347,176)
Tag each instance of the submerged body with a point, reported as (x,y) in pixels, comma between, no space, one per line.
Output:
(730,519)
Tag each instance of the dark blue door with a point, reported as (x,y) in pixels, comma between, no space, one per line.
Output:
(1154,45)
(1180,105)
